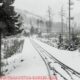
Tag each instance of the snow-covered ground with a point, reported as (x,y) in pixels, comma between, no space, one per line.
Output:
(70,58)
(32,64)
(29,62)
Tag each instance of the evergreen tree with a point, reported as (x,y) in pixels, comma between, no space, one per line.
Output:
(9,24)
(74,44)
(9,17)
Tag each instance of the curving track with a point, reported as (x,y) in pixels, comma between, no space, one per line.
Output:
(54,66)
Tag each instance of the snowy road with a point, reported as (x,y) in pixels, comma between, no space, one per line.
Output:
(32,65)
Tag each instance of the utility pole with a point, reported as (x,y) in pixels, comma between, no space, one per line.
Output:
(62,20)
(70,18)
(0,55)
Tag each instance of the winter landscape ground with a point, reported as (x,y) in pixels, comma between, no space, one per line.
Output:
(30,63)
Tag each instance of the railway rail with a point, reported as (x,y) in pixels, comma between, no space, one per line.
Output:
(51,62)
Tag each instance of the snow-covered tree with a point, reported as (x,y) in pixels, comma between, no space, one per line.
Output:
(9,24)
(74,43)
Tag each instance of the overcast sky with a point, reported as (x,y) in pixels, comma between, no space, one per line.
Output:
(40,7)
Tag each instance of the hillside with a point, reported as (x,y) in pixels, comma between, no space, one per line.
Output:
(30,19)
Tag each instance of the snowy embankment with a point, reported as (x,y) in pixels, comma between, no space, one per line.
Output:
(32,65)
(10,63)
(69,58)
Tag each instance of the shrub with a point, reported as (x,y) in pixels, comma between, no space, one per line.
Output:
(15,46)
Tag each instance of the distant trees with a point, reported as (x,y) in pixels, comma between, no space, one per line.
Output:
(9,24)
(35,31)
(48,26)
(71,45)
(32,30)
(74,43)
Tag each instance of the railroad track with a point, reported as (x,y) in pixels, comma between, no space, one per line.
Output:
(52,63)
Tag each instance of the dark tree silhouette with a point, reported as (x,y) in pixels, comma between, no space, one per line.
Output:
(9,24)
(60,43)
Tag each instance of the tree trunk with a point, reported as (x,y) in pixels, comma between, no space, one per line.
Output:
(0,55)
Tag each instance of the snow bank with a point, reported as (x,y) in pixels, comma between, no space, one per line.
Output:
(69,58)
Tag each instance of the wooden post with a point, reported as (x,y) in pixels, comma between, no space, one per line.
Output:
(69,21)
(0,56)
